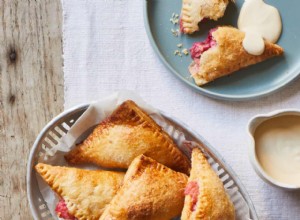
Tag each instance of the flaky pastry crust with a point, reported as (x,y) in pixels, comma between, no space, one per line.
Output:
(151,191)
(213,203)
(126,134)
(228,56)
(86,192)
(194,11)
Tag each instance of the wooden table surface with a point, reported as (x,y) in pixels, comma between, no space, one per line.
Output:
(31,90)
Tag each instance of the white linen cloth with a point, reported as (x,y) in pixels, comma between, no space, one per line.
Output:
(106,49)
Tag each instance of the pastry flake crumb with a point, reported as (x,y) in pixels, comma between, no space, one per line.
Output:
(175,32)
(174,18)
(177,53)
(179,45)
(185,51)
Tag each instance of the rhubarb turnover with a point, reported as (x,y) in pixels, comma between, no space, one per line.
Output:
(205,196)
(194,11)
(151,191)
(83,193)
(222,53)
(127,133)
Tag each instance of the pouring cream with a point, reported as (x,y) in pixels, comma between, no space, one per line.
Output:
(259,21)
(277,144)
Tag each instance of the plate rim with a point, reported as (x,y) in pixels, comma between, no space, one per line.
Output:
(201,90)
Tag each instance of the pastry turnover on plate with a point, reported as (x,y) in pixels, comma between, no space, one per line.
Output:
(222,53)
(205,195)
(151,191)
(194,11)
(126,134)
(84,193)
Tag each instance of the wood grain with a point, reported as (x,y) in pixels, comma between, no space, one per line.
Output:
(31,90)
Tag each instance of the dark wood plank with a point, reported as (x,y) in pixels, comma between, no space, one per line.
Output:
(31,90)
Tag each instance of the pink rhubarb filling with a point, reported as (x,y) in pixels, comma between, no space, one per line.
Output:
(192,189)
(62,211)
(199,48)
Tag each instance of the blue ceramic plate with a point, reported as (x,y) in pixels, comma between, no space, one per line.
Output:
(255,81)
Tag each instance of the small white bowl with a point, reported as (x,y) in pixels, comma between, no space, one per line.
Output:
(252,126)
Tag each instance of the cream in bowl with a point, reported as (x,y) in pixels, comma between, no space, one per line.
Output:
(275,147)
